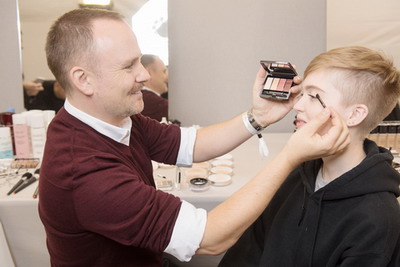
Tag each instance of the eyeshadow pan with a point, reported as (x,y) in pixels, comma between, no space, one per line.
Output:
(268,83)
(275,84)
(281,84)
(288,84)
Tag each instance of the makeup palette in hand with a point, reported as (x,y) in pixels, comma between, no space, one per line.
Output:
(279,79)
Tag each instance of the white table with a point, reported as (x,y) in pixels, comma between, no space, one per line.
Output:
(25,235)
(247,163)
(22,227)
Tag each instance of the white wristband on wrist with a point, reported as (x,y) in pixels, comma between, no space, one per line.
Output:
(262,146)
(247,124)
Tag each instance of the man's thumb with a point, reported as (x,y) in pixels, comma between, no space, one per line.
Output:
(319,120)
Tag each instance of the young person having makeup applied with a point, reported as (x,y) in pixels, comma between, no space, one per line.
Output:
(98,200)
(339,210)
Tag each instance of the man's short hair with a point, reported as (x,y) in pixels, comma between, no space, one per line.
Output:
(364,76)
(147,59)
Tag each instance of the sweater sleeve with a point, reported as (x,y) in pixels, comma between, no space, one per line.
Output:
(112,200)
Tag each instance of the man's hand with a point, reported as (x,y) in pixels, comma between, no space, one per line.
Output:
(307,143)
(268,111)
(32,88)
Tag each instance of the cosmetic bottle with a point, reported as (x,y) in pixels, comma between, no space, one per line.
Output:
(391,135)
(22,136)
(397,145)
(38,134)
(383,134)
(6,120)
(48,116)
(6,148)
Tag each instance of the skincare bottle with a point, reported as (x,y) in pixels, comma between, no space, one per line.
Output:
(38,134)
(383,134)
(48,116)
(6,148)
(391,135)
(22,136)
(6,120)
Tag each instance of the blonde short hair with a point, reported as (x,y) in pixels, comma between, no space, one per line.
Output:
(70,41)
(364,77)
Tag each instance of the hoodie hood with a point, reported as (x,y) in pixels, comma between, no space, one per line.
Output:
(380,177)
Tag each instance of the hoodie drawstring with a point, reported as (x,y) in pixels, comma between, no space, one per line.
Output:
(303,206)
(316,228)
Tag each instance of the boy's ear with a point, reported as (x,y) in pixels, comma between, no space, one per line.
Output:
(358,114)
(80,79)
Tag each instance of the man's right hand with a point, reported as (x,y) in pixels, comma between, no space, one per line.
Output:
(32,88)
(307,143)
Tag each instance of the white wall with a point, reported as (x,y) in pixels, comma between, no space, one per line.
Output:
(34,34)
(375,24)
(216,46)
(10,59)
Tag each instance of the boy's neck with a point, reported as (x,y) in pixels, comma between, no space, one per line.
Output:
(336,165)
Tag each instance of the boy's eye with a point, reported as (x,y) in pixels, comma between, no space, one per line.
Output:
(318,98)
(312,96)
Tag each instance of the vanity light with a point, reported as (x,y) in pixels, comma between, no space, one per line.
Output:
(96,3)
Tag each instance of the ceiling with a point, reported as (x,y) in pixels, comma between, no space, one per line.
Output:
(39,9)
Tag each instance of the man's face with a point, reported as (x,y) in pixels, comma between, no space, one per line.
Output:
(308,106)
(158,76)
(118,74)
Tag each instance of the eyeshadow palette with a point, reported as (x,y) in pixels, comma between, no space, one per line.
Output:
(279,79)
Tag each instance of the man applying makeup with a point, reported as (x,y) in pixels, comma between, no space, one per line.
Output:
(98,200)
(340,210)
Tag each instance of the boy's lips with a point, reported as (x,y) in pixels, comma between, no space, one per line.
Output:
(299,122)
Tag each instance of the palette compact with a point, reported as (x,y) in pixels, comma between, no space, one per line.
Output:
(279,79)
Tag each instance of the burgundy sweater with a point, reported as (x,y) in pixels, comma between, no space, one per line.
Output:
(98,202)
(155,106)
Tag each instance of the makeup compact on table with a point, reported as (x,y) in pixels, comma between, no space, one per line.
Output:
(279,79)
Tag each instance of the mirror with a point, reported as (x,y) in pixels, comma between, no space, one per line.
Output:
(36,18)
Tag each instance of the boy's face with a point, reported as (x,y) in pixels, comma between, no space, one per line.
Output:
(308,106)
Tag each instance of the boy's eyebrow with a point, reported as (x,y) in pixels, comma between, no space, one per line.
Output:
(310,87)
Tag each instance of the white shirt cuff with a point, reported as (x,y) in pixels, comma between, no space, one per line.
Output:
(185,154)
(188,232)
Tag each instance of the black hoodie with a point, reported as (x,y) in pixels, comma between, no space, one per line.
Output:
(352,221)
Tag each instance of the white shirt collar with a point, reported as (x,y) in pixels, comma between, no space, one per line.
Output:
(118,134)
(148,89)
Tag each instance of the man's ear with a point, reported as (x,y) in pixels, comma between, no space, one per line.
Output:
(358,114)
(80,79)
